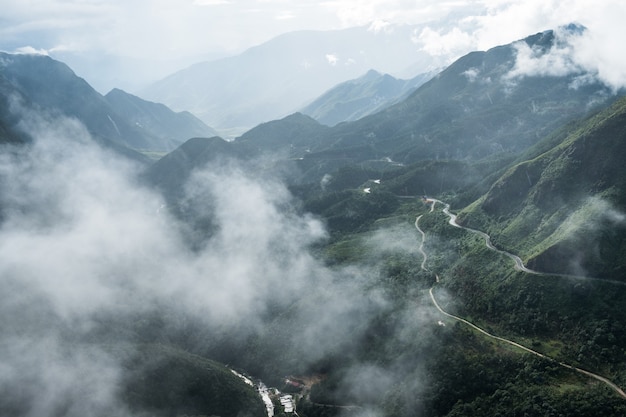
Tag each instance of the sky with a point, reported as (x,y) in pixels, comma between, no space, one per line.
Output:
(143,40)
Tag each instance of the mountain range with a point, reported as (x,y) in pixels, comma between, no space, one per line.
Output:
(276,78)
(354,99)
(535,161)
(471,110)
(560,206)
(484,109)
(118,120)
(157,120)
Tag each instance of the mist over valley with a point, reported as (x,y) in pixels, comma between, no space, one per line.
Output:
(446,245)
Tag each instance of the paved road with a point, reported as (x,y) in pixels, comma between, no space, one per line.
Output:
(519,266)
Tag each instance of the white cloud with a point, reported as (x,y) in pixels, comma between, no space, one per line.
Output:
(360,13)
(211,2)
(285,15)
(598,50)
(380,26)
(29,50)
(575,53)
(498,22)
(558,61)
(447,44)
(472,74)
(81,240)
(332,59)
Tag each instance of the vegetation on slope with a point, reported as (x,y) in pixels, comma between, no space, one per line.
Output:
(399,356)
(562,209)
(165,381)
(571,319)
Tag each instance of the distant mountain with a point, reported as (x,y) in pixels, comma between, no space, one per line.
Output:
(158,120)
(276,78)
(563,206)
(52,86)
(170,173)
(43,83)
(475,108)
(354,99)
(289,136)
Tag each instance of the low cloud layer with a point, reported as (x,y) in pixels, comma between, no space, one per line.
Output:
(574,52)
(81,239)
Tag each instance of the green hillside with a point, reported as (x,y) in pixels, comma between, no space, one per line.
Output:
(562,210)
(165,381)
(352,280)
(475,108)
(560,205)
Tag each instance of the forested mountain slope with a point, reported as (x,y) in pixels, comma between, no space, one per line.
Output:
(39,83)
(564,209)
(53,86)
(313,252)
(481,105)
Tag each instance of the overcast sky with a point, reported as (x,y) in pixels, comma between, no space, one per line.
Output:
(180,32)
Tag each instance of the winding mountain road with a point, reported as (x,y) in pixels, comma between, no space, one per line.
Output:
(519,265)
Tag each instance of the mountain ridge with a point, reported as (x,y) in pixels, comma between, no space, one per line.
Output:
(469,111)
(52,85)
(157,120)
(278,76)
(368,94)
(551,187)
(545,198)
(43,84)
(473,109)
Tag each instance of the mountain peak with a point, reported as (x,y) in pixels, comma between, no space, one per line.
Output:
(299,117)
(575,28)
(158,120)
(278,76)
(371,75)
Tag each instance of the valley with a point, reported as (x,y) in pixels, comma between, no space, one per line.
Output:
(147,264)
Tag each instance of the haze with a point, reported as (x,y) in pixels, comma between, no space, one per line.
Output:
(95,262)
(130,44)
